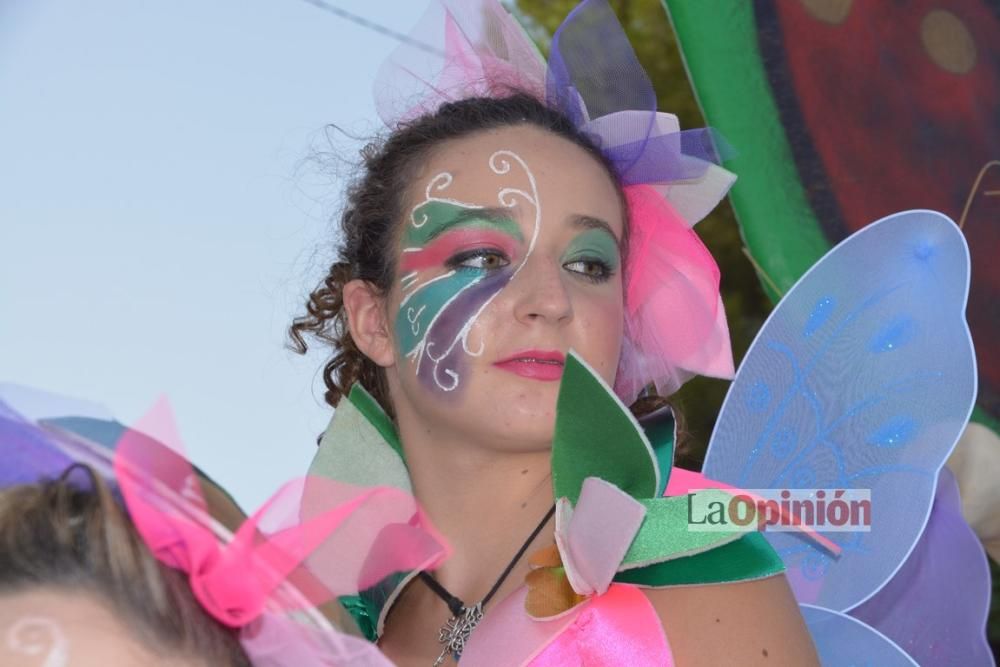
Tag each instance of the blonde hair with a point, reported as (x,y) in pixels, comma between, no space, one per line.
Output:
(67,535)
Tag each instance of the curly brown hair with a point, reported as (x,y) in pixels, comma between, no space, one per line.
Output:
(370,224)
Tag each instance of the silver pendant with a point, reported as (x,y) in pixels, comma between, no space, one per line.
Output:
(456,632)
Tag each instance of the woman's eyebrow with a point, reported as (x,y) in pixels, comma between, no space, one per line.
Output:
(500,216)
(590,222)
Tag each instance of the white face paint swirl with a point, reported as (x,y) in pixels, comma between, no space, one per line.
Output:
(433,333)
(40,637)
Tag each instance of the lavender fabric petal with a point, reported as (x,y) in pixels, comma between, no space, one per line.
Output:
(843,640)
(593,70)
(42,434)
(593,73)
(28,452)
(681,156)
(935,607)
(36,405)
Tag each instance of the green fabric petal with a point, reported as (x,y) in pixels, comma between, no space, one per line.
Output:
(666,532)
(369,407)
(360,446)
(660,428)
(747,558)
(596,436)
(364,612)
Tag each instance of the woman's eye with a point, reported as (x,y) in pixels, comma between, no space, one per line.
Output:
(488,260)
(592,269)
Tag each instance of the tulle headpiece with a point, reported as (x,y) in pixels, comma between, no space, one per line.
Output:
(314,540)
(675,324)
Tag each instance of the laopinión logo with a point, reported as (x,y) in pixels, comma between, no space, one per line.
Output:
(823,510)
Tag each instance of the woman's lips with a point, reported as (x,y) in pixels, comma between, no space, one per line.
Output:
(544,366)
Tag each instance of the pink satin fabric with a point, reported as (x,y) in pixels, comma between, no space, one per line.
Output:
(617,628)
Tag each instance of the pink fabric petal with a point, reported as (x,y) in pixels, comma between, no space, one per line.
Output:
(676,325)
(683,481)
(594,537)
(330,538)
(620,627)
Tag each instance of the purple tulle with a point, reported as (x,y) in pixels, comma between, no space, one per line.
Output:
(593,70)
(595,79)
(935,607)
(28,452)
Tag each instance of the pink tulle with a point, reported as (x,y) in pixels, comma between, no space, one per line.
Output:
(314,540)
(675,322)
(486,54)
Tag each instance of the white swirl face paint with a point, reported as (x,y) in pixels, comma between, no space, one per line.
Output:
(47,627)
(438,310)
(39,638)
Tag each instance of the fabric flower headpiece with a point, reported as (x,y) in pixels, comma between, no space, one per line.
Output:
(675,323)
(314,540)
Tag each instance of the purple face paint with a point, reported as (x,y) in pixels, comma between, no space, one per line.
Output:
(437,314)
(442,359)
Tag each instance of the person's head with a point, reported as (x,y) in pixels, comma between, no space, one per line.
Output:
(77,584)
(490,229)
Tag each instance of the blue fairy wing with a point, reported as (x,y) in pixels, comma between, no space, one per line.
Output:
(863,377)
(843,640)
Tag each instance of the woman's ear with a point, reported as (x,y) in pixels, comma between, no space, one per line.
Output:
(368,322)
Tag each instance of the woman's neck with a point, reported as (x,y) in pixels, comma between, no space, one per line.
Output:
(485,501)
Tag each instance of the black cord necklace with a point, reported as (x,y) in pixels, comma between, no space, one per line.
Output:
(464,619)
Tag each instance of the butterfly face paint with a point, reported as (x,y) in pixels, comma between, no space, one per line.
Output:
(456,258)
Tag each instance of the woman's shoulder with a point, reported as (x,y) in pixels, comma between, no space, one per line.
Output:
(746,622)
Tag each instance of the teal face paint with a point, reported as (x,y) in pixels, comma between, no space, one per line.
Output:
(422,307)
(433,218)
(445,229)
(594,246)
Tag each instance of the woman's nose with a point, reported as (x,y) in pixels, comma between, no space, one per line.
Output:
(540,292)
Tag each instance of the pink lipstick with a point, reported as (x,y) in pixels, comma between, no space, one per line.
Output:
(544,365)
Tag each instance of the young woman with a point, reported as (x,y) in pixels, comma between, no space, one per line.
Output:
(486,238)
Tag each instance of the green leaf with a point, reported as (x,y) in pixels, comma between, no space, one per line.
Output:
(361,446)
(597,436)
(667,533)
(749,557)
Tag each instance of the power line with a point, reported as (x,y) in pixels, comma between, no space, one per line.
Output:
(375,27)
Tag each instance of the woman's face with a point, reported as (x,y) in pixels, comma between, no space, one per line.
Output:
(509,256)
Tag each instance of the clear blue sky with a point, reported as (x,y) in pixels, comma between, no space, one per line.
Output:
(158,228)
